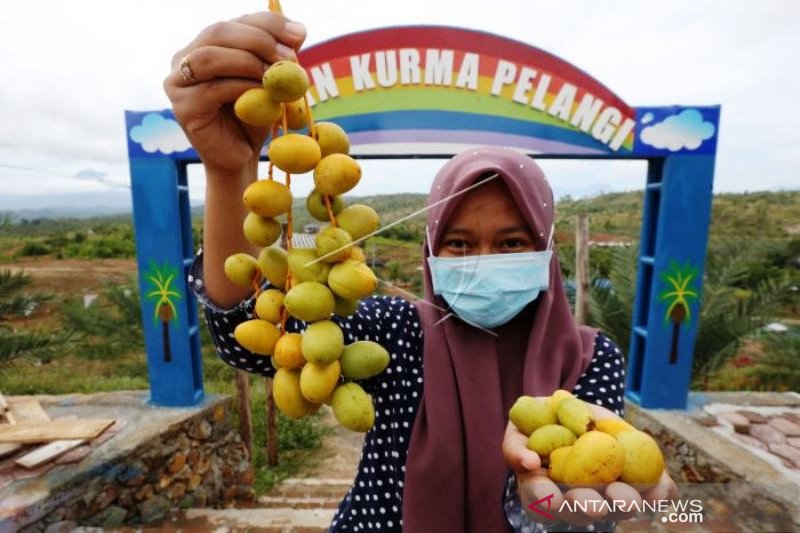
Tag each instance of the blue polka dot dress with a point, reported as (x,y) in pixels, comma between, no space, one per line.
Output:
(374,502)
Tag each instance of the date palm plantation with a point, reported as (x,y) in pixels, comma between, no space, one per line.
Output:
(15,343)
(737,301)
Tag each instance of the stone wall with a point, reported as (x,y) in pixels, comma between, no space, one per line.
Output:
(198,461)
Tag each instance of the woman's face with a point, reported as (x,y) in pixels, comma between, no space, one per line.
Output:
(486,221)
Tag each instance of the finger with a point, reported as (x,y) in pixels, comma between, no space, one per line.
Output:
(587,507)
(657,493)
(673,493)
(588,501)
(670,486)
(232,34)
(289,32)
(200,101)
(540,497)
(516,453)
(210,62)
(625,500)
(602,413)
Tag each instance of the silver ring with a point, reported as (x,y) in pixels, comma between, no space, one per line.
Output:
(186,70)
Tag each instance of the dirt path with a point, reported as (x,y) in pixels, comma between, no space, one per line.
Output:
(69,277)
(340,452)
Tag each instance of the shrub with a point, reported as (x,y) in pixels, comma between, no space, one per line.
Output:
(33,248)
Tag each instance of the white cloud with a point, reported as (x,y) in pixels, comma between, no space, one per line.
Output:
(90,174)
(647,118)
(159,134)
(686,130)
(65,116)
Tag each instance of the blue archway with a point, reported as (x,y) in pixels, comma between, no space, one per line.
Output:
(428,91)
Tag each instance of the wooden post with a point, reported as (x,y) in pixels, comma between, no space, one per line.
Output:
(245,410)
(272,425)
(582,269)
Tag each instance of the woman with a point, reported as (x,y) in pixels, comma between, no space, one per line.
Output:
(494,323)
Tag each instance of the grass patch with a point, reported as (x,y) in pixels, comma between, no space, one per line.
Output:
(73,374)
(387,241)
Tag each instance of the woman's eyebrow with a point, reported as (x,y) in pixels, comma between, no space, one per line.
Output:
(515,229)
(457,231)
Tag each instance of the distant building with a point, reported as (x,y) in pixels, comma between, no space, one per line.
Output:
(303,240)
(300,240)
(611,244)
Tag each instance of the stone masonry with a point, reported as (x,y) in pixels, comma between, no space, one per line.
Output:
(162,459)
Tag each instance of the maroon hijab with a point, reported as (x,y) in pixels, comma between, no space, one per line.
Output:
(455,469)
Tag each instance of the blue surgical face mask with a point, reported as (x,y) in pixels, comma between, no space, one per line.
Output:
(489,290)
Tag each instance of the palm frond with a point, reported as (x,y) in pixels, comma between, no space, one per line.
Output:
(611,305)
(731,308)
(17,346)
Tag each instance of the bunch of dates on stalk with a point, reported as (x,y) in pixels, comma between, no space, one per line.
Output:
(309,284)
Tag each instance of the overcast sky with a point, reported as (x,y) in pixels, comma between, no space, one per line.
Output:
(70,69)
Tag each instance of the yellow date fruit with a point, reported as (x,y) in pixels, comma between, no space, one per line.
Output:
(242,269)
(336,174)
(258,336)
(286,81)
(267,198)
(294,153)
(323,342)
(353,408)
(256,107)
(288,396)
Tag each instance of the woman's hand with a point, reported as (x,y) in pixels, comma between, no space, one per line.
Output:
(536,488)
(207,77)
(225,60)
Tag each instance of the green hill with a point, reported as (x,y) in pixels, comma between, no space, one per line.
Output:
(614,216)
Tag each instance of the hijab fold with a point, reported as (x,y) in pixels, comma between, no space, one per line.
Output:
(455,469)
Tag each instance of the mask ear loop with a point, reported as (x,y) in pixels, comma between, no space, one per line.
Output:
(549,239)
(428,241)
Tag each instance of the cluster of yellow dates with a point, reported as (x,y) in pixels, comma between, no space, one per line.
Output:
(581,451)
(309,284)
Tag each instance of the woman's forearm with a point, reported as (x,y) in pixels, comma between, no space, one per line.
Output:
(222,233)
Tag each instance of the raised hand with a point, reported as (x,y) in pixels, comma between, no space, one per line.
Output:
(207,76)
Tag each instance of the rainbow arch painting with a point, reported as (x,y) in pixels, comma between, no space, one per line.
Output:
(410,91)
(437,89)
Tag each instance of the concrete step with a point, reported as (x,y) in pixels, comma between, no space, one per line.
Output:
(312,488)
(274,520)
(309,502)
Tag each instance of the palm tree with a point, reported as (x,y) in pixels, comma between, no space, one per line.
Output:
(161,278)
(678,279)
(611,304)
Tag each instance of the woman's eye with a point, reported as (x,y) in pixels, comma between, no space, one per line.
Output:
(513,244)
(458,244)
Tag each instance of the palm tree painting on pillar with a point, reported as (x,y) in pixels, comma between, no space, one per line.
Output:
(678,294)
(164,295)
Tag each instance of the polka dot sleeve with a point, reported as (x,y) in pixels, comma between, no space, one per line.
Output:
(221,323)
(602,384)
